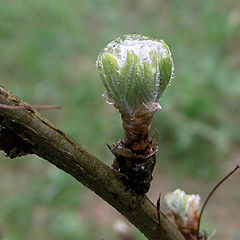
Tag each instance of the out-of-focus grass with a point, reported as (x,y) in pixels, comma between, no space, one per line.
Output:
(48,51)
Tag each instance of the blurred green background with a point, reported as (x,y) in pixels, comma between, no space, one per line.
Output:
(48,50)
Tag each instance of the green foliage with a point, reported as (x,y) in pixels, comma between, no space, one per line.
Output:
(48,52)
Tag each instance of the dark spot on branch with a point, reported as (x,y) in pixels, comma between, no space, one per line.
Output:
(11,143)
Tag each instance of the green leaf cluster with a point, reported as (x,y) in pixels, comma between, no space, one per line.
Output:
(135,70)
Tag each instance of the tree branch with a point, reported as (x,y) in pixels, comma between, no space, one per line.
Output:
(43,139)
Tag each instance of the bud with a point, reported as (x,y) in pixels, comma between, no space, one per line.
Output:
(135,71)
(183,209)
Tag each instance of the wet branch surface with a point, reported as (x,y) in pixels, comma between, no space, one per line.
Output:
(24,131)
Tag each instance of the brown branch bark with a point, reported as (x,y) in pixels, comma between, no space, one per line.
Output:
(48,142)
(28,107)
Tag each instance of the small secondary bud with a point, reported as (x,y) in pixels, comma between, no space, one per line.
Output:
(135,71)
(183,209)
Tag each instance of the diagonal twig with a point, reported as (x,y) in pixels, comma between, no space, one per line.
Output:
(211,193)
(56,147)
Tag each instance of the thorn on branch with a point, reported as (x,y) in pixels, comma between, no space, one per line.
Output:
(159,216)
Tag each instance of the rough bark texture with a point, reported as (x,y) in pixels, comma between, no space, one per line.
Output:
(36,135)
(135,170)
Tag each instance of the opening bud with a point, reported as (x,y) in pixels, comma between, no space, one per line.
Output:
(183,210)
(135,71)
